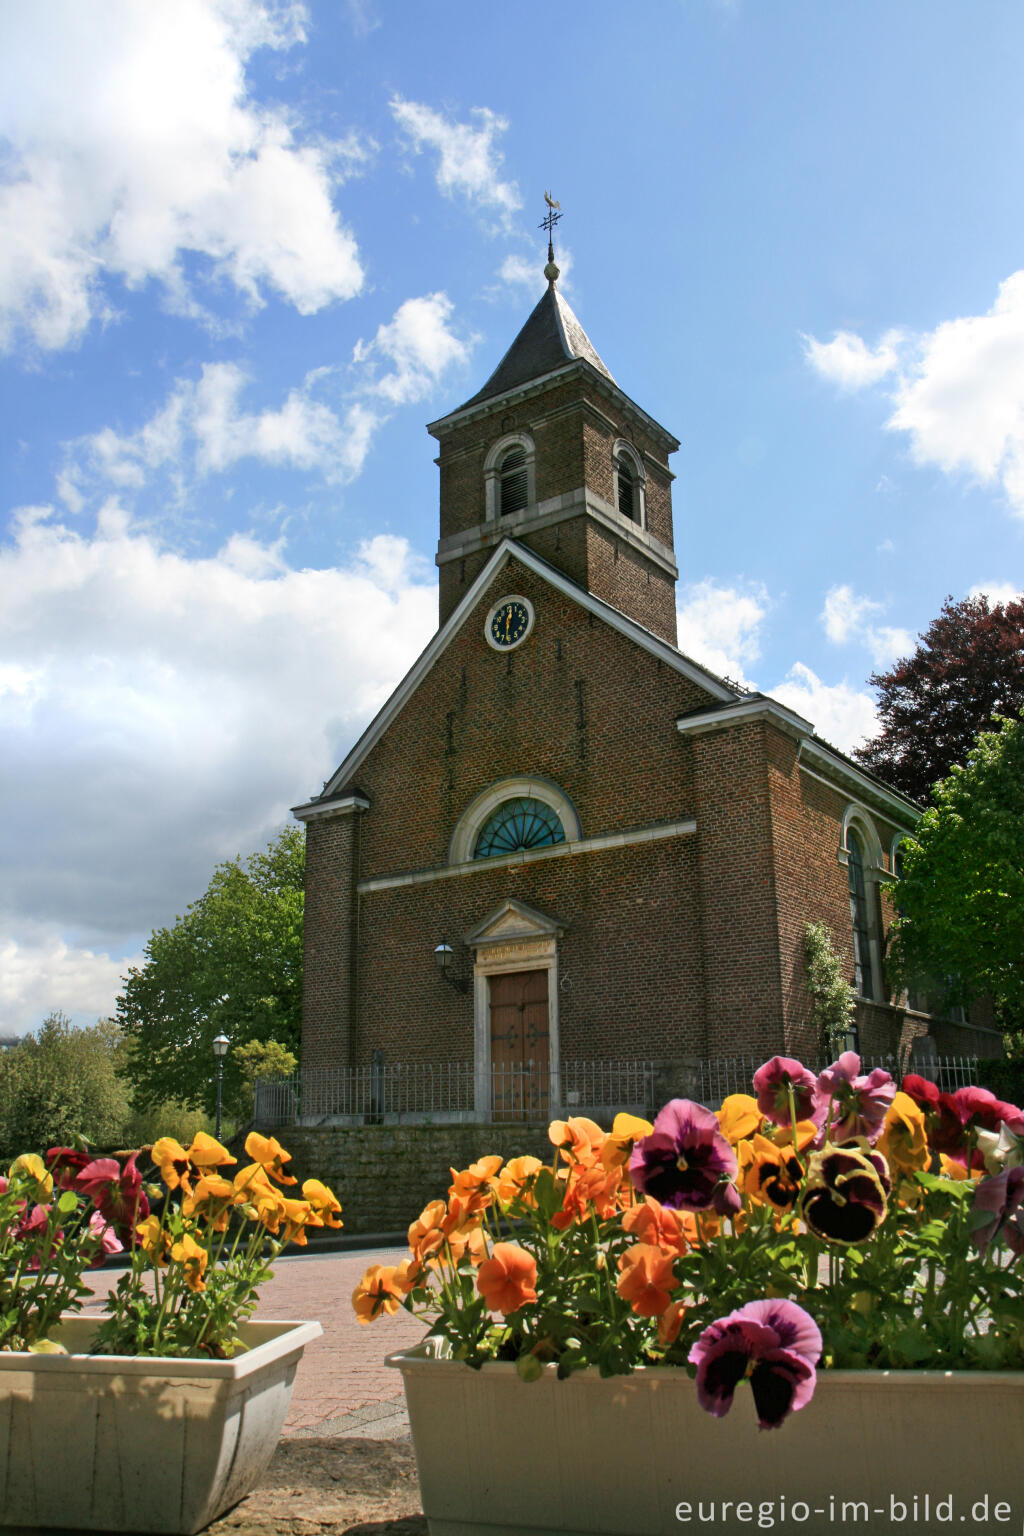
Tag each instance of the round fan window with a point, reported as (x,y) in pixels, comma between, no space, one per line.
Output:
(518,824)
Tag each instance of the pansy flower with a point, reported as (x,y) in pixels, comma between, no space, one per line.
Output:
(269,1153)
(508,1279)
(784,1079)
(117,1192)
(474,1185)
(739,1117)
(844,1197)
(170,1157)
(618,1144)
(651,1222)
(515,1179)
(578,1139)
(775,1345)
(324,1202)
(193,1258)
(774,1174)
(377,1293)
(904,1139)
(684,1157)
(998,1211)
(858,1102)
(31,1166)
(65,1163)
(646,1279)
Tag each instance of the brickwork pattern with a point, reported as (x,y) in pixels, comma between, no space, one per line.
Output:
(328,937)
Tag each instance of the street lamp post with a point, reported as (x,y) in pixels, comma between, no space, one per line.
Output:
(220,1050)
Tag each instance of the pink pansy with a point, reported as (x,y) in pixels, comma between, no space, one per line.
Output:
(859,1102)
(1001,1201)
(109,1240)
(772,1085)
(773,1344)
(117,1193)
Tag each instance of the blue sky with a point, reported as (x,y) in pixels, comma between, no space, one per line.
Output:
(246,252)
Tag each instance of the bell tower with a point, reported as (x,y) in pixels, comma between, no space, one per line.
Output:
(551,452)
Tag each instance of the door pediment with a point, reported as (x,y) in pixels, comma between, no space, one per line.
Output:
(513,922)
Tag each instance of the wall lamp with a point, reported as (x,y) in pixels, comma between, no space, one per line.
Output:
(444,955)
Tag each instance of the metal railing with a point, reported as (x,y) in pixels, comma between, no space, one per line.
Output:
(421,1090)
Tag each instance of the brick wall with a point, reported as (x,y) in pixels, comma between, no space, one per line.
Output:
(328,937)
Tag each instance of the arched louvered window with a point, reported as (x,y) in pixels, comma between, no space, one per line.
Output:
(859,917)
(625,486)
(515,484)
(520,823)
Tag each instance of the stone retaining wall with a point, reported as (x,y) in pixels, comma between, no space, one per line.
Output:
(385,1174)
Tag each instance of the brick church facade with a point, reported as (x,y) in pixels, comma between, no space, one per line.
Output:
(612,852)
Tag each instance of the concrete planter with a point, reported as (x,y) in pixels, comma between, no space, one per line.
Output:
(115,1443)
(920,1451)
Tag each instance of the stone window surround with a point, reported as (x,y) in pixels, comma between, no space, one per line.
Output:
(467,828)
(857,819)
(625,450)
(492,471)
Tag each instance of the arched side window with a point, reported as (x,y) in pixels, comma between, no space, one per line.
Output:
(859,917)
(861,852)
(519,823)
(630,483)
(509,484)
(512,815)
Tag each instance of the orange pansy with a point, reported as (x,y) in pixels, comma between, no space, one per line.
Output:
(377,1292)
(652,1222)
(508,1279)
(269,1153)
(323,1201)
(646,1278)
(739,1117)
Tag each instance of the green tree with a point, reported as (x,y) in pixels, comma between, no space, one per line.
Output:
(960,899)
(62,1083)
(259,1061)
(231,965)
(831,993)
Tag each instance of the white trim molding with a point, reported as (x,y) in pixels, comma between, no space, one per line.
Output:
(741,712)
(345,805)
(651,834)
(622,448)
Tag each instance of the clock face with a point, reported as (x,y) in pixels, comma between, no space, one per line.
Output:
(509,622)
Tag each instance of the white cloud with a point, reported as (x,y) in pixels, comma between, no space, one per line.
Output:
(161,713)
(846,617)
(40,973)
(133,144)
(718,625)
(844,613)
(469,160)
(847,361)
(842,715)
(203,428)
(418,342)
(518,271)
(962,403)
(958,391)
(997,592)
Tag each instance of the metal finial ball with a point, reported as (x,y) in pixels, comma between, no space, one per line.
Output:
(551,272)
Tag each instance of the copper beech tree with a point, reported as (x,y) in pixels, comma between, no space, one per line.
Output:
(968,665)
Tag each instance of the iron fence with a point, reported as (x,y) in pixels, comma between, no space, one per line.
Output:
(533,1091)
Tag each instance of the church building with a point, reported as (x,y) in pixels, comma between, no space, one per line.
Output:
(562,844)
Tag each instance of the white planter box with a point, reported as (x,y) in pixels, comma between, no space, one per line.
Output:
(498,1457)
(116,1443)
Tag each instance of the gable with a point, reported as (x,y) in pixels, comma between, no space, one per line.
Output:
(473,609)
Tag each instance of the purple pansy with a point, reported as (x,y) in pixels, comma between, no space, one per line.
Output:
(1001,1199)
(859,1102)
(773,1344)
(681,1162)
(772,1084)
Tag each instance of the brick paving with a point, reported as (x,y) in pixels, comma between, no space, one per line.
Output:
(342,1386)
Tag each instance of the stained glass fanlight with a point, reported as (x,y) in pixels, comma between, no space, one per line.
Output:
(521,823)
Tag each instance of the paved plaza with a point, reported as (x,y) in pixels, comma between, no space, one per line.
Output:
(342,1386)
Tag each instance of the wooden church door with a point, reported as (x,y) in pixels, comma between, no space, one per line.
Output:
(519,1045)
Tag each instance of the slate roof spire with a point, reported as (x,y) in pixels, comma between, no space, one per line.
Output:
(551,337)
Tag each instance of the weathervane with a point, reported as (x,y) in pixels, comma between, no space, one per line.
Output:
(548,222)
